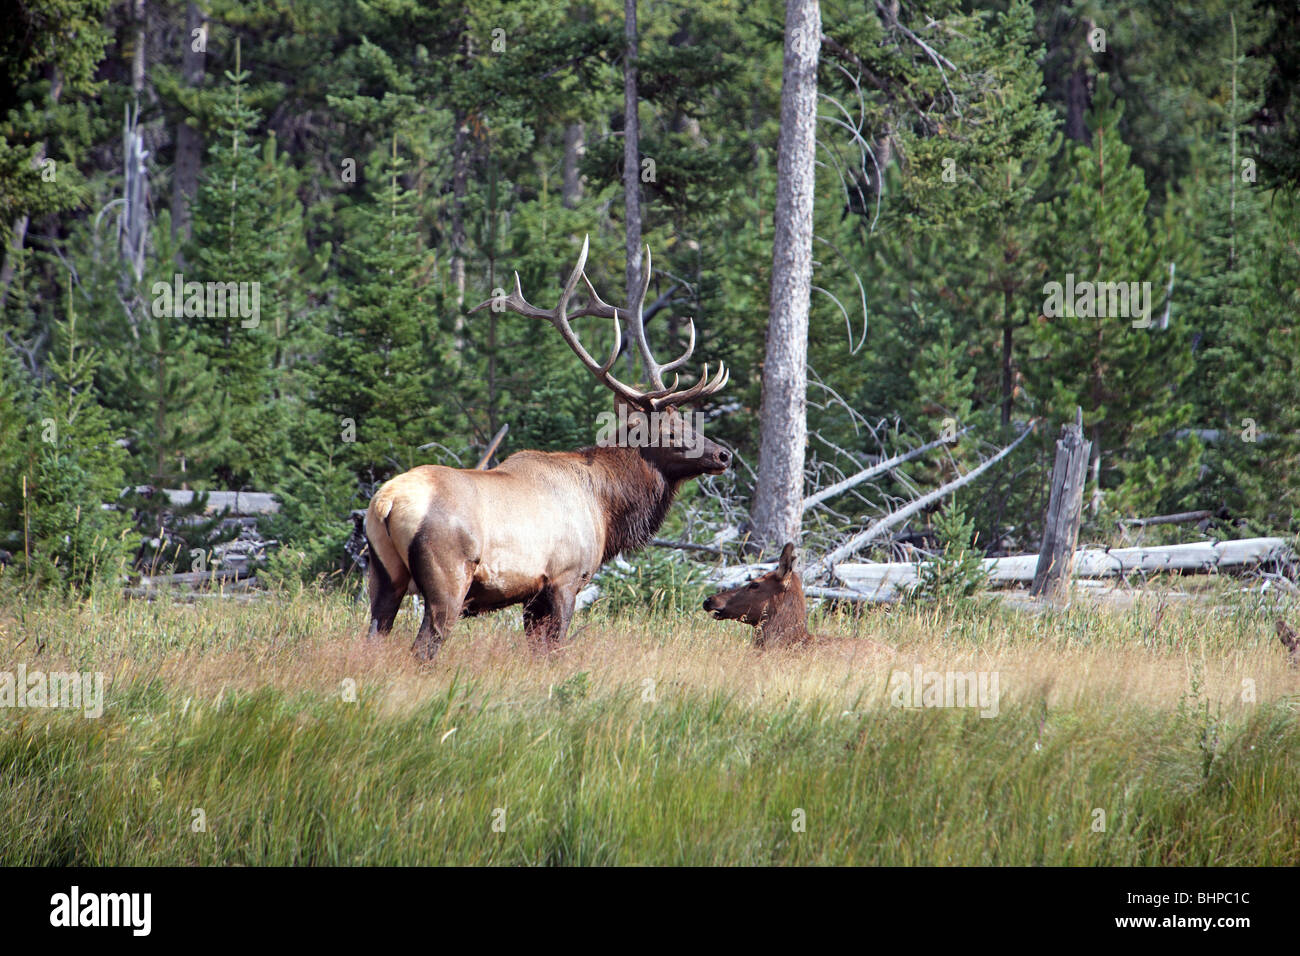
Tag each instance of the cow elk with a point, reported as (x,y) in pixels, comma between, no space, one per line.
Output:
(774,606)
(534,530)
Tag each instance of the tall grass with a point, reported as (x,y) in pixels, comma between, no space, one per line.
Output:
(656,740)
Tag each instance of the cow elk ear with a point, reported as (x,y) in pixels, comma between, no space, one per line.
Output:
(786,564)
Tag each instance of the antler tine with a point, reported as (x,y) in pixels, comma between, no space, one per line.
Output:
(681,359)
(618,346)
(704,387)
(595,304)
(516,302)
(559,317)
(637,318)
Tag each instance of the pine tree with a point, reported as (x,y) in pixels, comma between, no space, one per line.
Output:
(1241,297)
(76,529)
(1124,370)
(384,348)
(245,232)
(1243,304)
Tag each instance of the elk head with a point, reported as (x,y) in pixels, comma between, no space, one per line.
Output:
(648,420)
(773,603)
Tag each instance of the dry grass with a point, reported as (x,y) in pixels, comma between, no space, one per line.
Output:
(1154,711)
(313,642)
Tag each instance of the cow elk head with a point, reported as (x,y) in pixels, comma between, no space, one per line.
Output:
(773,604)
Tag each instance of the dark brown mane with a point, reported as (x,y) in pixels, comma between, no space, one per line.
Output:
(634,494)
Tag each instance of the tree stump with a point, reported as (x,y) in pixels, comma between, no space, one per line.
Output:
(1064,511)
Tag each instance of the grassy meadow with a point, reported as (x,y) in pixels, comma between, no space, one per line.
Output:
(230,735)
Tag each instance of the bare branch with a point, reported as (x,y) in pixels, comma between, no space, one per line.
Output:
(880,469)
(863,538)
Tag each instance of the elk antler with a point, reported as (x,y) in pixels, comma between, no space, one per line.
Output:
(559,317)
(664,394)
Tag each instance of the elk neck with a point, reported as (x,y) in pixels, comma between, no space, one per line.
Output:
(633,494)
(787,623)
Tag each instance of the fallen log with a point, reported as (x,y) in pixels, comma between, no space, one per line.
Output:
(236,502)
(1200,556)
(1183,517)
(240,596)
(492,448)
(884,596)
(877,469)
(883,580)
(686,546)
(194,579)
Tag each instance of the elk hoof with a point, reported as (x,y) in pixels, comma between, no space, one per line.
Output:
(425,650)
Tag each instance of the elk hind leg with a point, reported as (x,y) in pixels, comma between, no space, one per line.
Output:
(386,595)
(444,591)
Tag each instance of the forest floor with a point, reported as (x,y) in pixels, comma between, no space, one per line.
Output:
(273,732)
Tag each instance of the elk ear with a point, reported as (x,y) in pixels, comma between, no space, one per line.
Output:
(786,564)
(631,407)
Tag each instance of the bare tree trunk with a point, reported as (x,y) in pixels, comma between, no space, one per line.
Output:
(778,503)
(189,144)
(1064,512)
(459,188)
(1008,376)
(1077,102)
(631,152)
(19,235)
(140,16)
(1096,470)
(574,146)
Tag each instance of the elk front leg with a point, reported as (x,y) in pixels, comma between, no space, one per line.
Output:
(547,617)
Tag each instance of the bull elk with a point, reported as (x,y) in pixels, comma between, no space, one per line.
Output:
(534,530)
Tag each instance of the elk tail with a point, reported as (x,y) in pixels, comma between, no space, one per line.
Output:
(382,548)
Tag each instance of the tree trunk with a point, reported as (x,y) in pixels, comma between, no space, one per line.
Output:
(1077,102)
(1064,512)
(459,189)
(189,144)
(631,153)
(1008,375)
(778,503)
(574,146)
(141,18)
